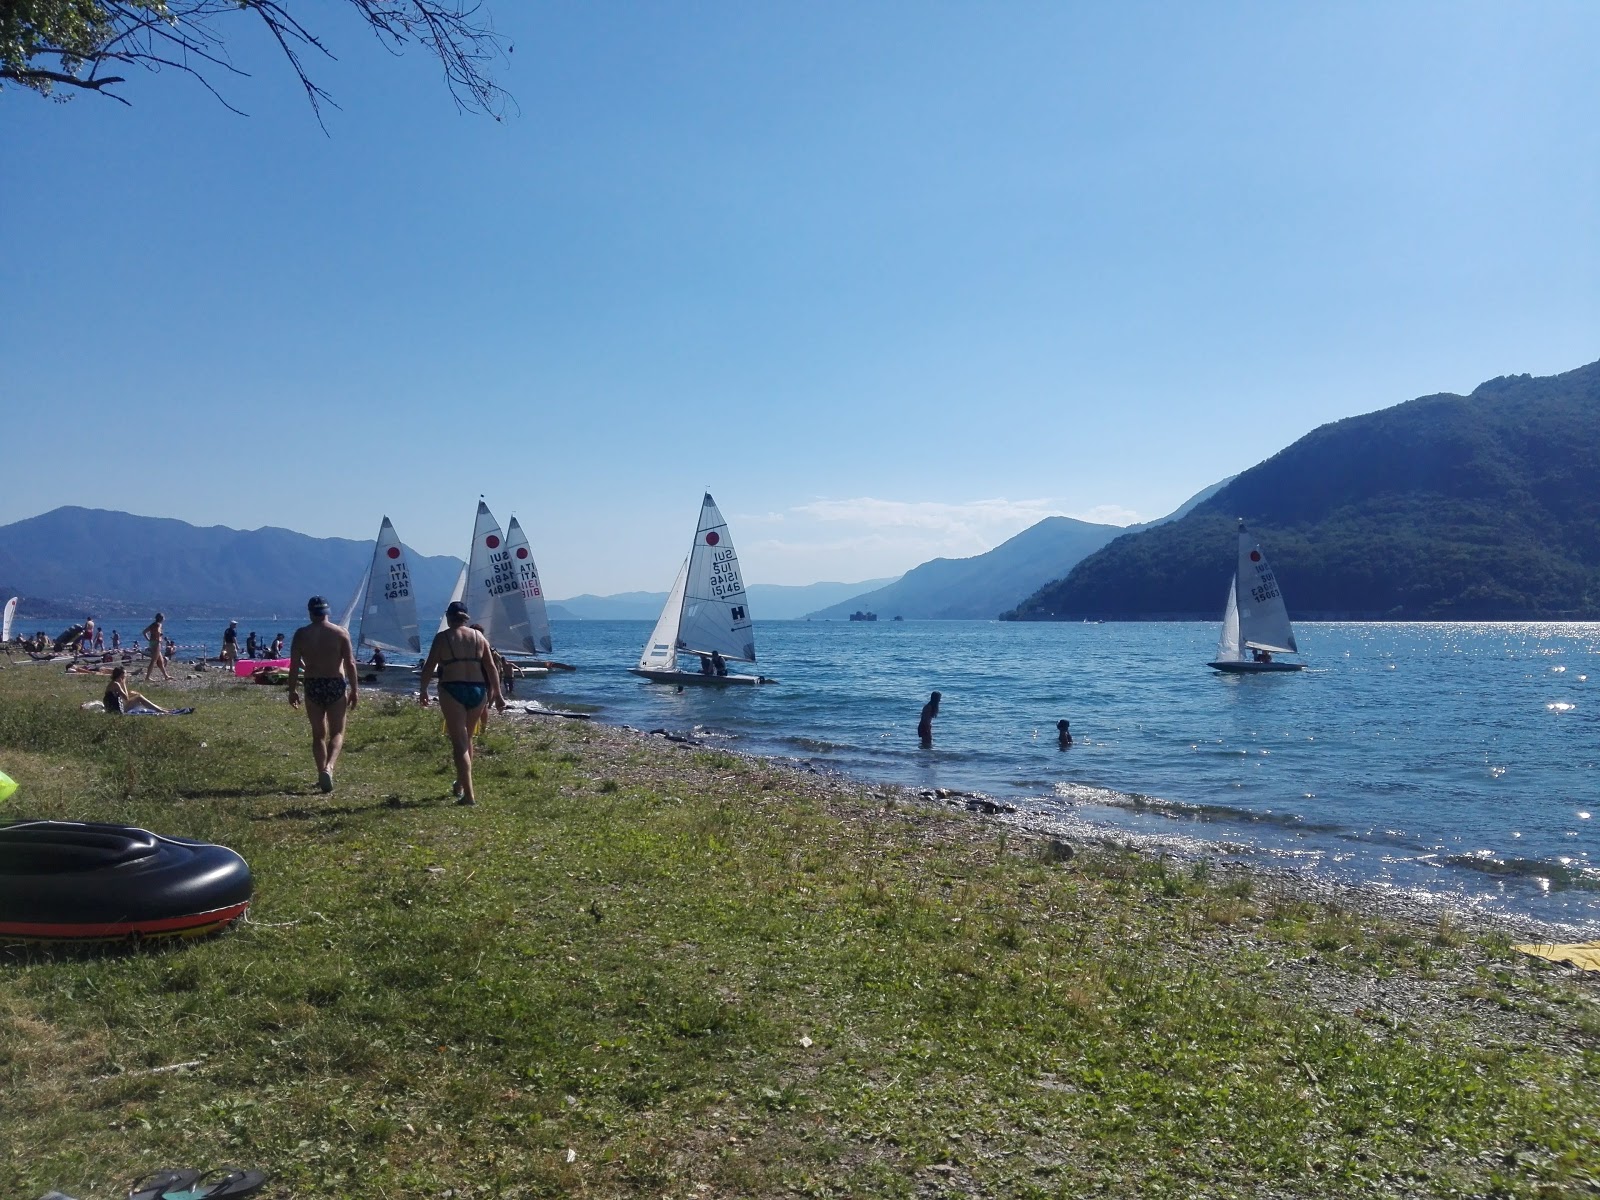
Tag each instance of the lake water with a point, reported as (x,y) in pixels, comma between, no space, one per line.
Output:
(1460,760)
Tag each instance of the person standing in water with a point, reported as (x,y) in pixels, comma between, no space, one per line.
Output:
(468,682)
(152,636)
(1063,734)
(321,651)
(930,710)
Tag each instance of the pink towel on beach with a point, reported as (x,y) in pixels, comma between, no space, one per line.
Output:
(247,667)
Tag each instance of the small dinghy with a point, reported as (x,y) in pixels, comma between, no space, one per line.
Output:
(70,881)
(706,613)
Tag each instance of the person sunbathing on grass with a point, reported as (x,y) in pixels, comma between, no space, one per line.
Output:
(119,699)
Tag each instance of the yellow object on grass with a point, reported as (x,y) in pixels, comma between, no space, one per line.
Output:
(7,786)
(1583,955)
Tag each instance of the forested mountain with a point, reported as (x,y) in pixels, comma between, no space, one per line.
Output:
(978,588)
(114,564)
(981,587)
(1446,507)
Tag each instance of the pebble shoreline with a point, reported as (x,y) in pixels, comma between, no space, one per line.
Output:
(1409,908)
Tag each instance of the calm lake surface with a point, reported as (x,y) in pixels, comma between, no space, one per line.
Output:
(1457,760)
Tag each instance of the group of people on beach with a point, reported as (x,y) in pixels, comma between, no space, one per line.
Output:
(254,647)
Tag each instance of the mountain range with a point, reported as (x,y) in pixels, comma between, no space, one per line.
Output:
(981,587)
(71,561)
(1481,507)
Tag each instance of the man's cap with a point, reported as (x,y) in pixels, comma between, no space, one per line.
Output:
(233,622)
(456,609)
(316,605)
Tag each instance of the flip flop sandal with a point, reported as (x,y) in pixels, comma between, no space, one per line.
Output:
(222,1181)
(156,1184)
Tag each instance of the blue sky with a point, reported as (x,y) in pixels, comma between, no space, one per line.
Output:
(893,280)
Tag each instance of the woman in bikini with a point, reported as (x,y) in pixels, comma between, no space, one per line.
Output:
(467,682)
(118,699)
(152,635)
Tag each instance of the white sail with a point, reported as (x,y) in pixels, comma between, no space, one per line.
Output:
(7,616)
(456,593)
(1228,642)
(716,612)
(1263,619)
(389,616)
(661,648)
(528,578)
(493,594)
(347,618)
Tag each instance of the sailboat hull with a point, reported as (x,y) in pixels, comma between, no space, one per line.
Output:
(1254,668)
(695,679)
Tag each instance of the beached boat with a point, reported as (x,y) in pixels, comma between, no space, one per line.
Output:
(1255,626)
(706,612)
(532,597)
(388,608)
(70,881)
(490,587)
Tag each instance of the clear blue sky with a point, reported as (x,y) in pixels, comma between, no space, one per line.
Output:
(893,280)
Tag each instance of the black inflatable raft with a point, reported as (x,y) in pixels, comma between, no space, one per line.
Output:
(70,881)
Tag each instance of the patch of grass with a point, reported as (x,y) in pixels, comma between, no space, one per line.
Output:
(719,982)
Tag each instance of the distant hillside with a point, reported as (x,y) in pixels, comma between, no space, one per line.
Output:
(77,561)
(768,601)
(1480,507)
(980,587)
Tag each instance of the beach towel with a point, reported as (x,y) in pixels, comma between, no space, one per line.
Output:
(1583,955)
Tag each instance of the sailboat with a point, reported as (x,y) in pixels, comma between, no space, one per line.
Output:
(706,612)
(490,588)
(1255,626)
(388,606)
(532,594)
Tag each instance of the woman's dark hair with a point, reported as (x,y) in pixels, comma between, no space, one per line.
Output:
(117,673)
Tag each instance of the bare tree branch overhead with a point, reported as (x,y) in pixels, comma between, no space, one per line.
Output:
(53,45)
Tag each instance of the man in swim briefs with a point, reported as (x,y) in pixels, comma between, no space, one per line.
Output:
(321,651)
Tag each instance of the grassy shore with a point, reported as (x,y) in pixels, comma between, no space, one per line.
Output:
(643,969)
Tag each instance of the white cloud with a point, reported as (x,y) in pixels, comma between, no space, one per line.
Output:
(1109,514)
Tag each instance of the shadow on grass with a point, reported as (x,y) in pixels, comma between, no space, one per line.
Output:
(389,803)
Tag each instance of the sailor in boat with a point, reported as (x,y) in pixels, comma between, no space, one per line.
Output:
(719,665)
(378,660)
(705,666)
(1263,656)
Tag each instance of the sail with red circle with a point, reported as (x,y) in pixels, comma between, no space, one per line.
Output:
(528,579)
(707,609)
(389,613)
(493,591)
(1263,617)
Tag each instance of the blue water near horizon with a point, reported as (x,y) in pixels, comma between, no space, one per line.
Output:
(1460,761)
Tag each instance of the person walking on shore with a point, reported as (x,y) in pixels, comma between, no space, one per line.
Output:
(230,643)
(468,681)
(321,651)
(153,638)
(930,710)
